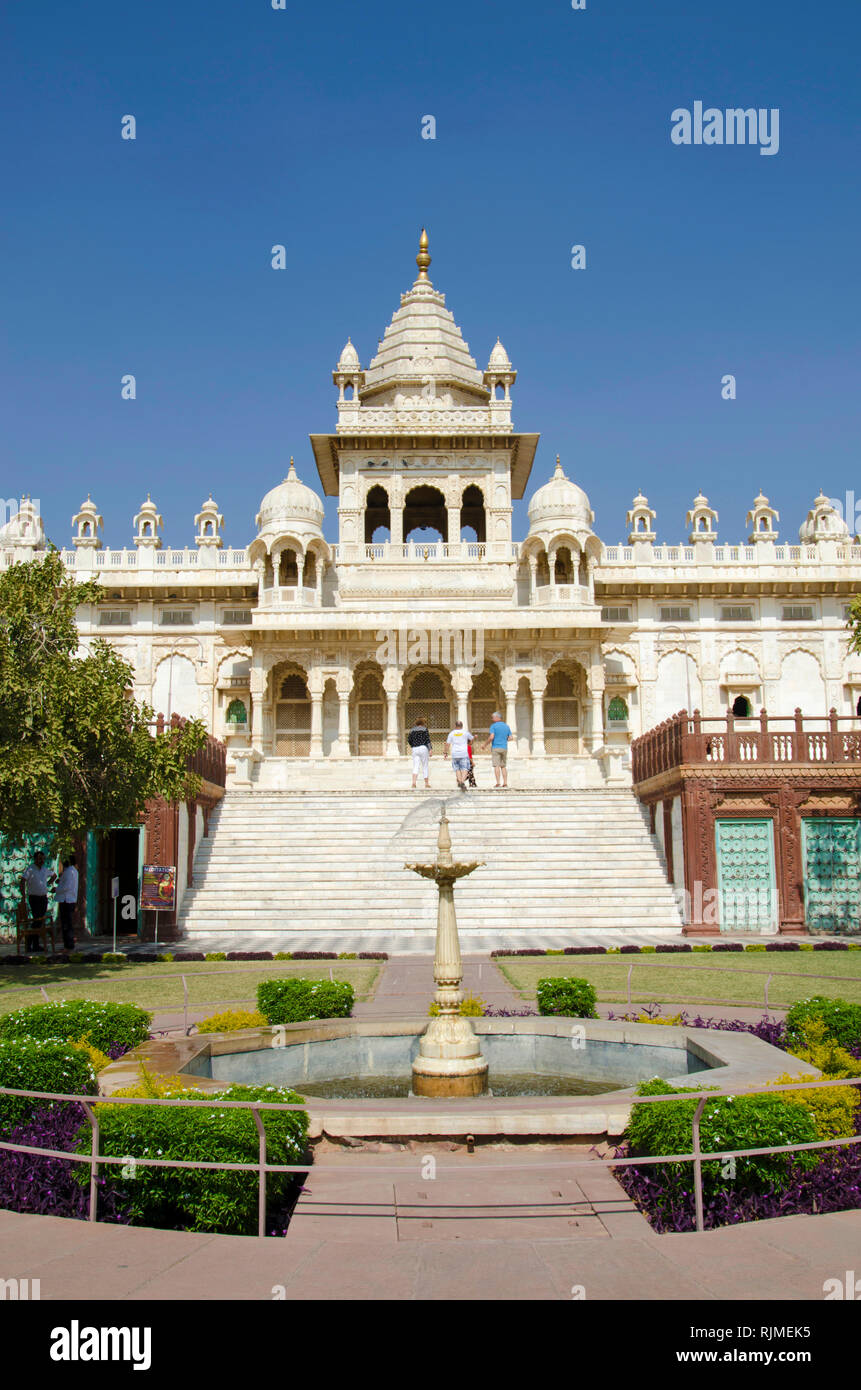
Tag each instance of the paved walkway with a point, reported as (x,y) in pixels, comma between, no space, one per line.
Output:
(497,1256)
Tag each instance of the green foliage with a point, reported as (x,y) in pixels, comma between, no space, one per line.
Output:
(821,1050)
(647,950)
(567,995)
(700,948)
(470,1007)
(738,1122)
(346,955)
(834,1109)
(76,1019)
(555,953)
(199,1199)
(853,625)
(35,1065)
(216,955)
(295,1001)
(113,958)
(283,955)
(232,1021)
(755,946)
(76,749)
(841,1019)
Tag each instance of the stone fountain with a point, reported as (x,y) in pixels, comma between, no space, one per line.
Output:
(449,1061)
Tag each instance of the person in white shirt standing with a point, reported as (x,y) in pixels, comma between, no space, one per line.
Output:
(34,883)
(67,899)
(459,740)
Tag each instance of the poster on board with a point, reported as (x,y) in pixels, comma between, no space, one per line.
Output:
(158,887)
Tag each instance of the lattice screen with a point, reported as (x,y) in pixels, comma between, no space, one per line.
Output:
(561,715)
(484,699)
(293,719)
(370,717)
(428,700)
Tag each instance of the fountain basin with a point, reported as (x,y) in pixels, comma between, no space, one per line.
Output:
(614,1057)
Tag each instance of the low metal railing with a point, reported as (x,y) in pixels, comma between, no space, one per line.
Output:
(262,1167)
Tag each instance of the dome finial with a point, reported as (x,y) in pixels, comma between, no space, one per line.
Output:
(291,472)
(559,471)
(423,259)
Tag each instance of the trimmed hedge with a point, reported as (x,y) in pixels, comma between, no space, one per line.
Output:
(740,1122)
(74,1019)
(567,995)
(33,1064)
(299,1000)
(198,1199)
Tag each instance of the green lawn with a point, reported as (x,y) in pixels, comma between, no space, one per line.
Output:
(159,987)
(698,979)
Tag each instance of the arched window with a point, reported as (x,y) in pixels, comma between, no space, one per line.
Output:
(542,571)
(425,512)
(236,713)
(288,570)
(472,515)
(310,580)
(583,572)
(617,709)
(563,566)
(741,707)
(370,718)
(377,515)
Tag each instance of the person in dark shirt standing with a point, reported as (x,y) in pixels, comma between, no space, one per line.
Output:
(419,740)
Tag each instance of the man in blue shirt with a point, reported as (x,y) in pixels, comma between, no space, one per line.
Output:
(498,738)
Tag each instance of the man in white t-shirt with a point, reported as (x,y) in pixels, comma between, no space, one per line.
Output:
(458,742)
(34,882)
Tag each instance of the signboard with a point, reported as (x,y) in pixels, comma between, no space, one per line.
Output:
(115,888)
(158,887)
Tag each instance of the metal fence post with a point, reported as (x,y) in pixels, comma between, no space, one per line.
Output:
(184,1004)
(698,1164)
(261,1172)
(768,981)
(94,1161)
(630,973)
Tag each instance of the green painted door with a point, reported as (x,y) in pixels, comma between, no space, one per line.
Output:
(747,889)
(832,874)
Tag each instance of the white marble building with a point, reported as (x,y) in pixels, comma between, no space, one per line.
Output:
(314,656)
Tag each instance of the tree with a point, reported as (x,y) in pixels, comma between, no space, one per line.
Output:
(853,623)
(76,749)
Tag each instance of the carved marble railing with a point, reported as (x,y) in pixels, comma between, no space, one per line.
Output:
(290,596)
(413,552)
(572,595)
(730,555)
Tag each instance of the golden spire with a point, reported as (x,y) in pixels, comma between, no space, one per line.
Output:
(423,260)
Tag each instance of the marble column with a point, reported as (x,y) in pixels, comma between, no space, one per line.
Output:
(538,750)
(316,723)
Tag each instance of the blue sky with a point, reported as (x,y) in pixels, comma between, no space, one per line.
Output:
(302,127)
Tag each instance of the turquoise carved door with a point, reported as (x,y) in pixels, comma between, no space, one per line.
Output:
(832,874)
(747,890)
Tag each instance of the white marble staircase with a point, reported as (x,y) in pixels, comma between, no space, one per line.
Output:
(316,870)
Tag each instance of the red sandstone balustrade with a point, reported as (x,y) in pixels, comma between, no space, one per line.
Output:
(696,738)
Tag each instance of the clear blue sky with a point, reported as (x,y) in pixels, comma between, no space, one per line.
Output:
(302,126)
